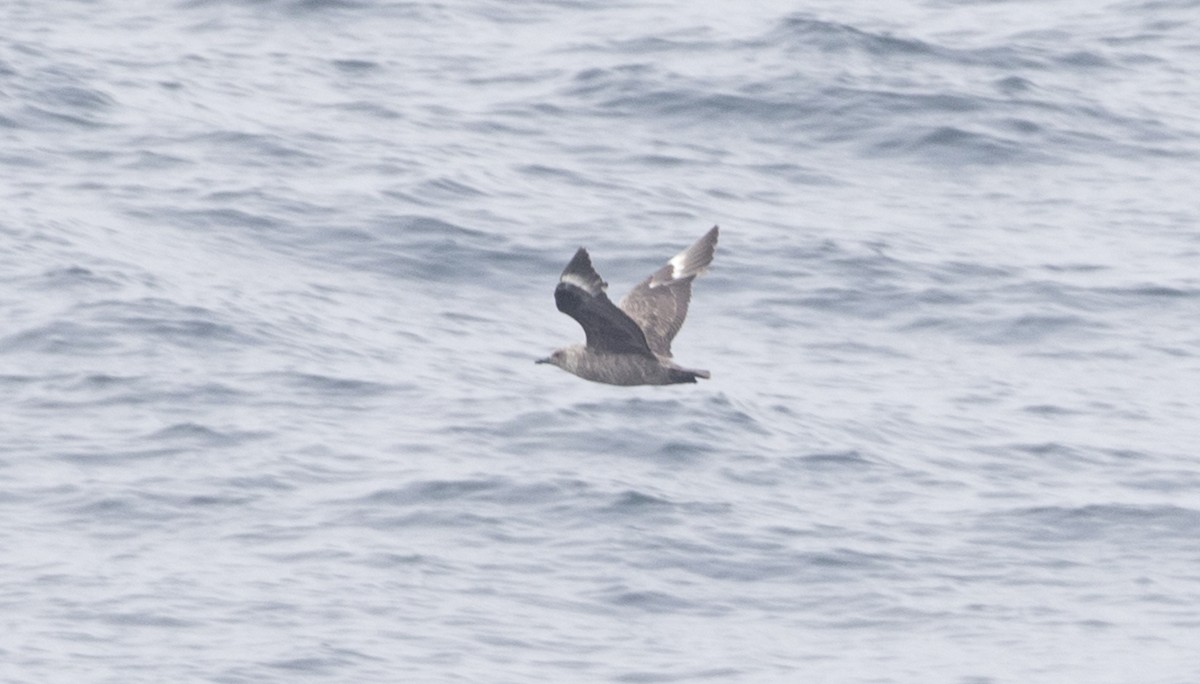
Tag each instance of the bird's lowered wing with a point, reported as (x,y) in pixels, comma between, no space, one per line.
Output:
(580,294)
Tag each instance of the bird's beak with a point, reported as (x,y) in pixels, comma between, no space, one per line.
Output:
(545,360)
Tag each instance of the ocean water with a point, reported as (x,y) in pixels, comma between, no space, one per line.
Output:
(273,276)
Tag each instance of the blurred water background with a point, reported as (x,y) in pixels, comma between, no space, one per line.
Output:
(273,276)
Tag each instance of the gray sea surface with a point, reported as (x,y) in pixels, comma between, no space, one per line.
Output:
(273,276)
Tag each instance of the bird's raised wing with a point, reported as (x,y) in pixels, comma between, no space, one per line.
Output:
(580,295)
(659,304)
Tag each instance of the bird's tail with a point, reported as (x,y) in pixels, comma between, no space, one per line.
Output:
(688,375)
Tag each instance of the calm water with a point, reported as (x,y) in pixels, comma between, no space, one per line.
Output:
(273,276)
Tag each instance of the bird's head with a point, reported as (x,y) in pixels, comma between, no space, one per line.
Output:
(563,358)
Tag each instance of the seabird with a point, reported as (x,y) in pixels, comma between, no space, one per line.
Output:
(630,344)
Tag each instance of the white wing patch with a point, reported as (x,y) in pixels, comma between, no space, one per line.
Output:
(678,263)
(581,282)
